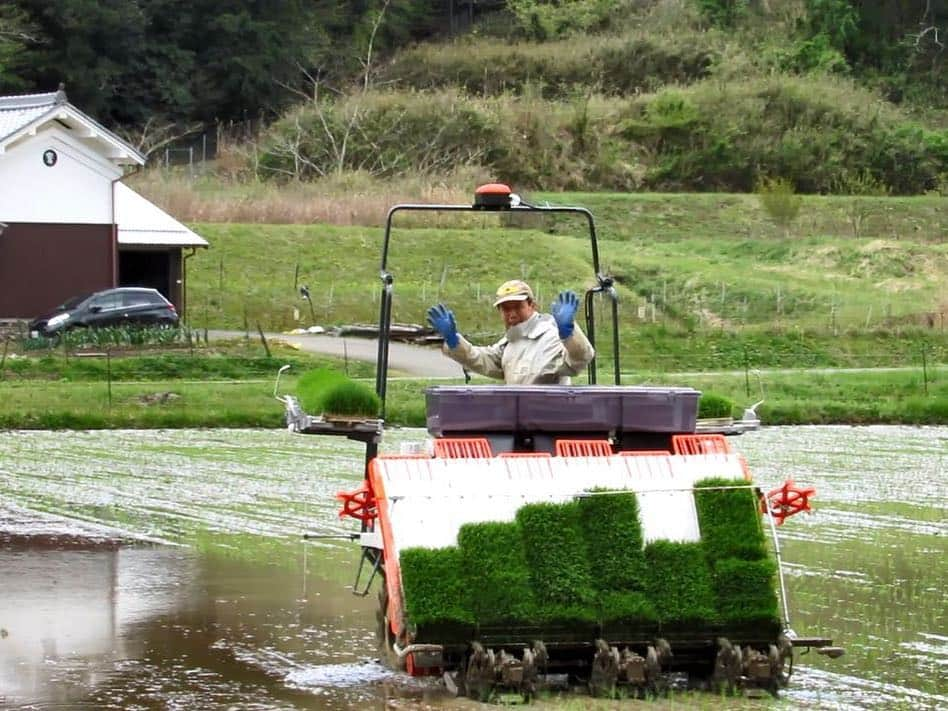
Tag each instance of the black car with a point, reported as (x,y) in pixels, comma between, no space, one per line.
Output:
(112,307)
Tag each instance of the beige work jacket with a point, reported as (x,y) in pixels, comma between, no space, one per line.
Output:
(530,353)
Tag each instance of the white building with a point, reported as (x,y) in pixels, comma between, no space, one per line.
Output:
(68,225)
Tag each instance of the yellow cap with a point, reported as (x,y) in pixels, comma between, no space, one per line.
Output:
(513,290)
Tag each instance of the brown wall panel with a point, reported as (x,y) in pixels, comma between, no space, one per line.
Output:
(42,265)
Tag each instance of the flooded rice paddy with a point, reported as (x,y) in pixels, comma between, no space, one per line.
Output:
(168,570)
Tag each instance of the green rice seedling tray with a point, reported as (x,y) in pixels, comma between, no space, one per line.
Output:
(729,520)
(494,577)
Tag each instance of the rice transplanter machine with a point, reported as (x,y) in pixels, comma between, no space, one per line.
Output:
(580,533)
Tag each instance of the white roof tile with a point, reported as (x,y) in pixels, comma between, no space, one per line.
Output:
(19,111)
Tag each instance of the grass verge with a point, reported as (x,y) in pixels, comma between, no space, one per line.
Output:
(791,398)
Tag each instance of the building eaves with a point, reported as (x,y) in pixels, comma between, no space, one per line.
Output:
(18,113)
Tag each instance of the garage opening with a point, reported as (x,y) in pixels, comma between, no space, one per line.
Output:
(153,269)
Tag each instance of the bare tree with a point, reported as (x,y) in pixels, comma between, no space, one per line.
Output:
(928,28)
(155,134)
(337,137)
(15,27)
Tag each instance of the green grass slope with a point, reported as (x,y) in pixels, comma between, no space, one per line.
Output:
(704,263)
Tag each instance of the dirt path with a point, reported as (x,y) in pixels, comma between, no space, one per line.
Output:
(414,360)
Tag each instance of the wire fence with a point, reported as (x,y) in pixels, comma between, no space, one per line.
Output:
(328,300)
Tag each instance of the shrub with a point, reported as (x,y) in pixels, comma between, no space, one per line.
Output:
(814,54)
(386,134)
(780,200)
(805,131)
(729,520)
(706,136)
(546,20)
(495,575)
(328,391)
(610,65)
(723,13)
(432,588)
(114,336)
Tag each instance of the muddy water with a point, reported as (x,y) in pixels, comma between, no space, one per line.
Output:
(167,570)
(870,567)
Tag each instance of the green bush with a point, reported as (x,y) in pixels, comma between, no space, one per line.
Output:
(496,579)
(712,405)
(729,520)
(679,583)
(723,13)
(328,391)
(386,133)
(559,569)
(618,65)
(118,336)
(706,136)
(808,131)
(432,587)
(546,20)
(780,201)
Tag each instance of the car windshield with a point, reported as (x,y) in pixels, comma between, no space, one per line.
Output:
(72,303)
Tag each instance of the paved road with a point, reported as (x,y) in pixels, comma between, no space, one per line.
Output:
(428,361)
(784,371)
(421,361)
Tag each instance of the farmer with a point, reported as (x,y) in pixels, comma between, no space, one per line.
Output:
(536,349)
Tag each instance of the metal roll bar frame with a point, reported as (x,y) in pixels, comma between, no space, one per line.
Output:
(509,202)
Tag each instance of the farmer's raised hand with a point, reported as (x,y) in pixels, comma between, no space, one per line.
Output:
(564,312)
(442,320)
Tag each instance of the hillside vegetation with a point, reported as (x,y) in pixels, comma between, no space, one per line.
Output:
(834,96)
(669,98)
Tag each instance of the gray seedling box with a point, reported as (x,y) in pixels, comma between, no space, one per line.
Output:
(559,408)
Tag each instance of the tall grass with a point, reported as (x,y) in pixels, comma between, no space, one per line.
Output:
(353,198)
(615,65)
(242,361)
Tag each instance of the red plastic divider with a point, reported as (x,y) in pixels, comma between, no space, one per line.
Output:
(583,448)
(700,444)
(534,455)
(462,448)
(645,453)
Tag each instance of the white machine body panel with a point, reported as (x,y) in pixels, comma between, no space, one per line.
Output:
(430,499)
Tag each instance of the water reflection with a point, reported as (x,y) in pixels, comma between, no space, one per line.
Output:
(868,568)
(164,628)
(70,616)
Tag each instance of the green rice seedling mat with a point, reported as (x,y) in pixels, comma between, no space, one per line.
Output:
(568,572)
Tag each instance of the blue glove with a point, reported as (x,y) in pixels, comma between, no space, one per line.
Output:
(564,311)
(442,320)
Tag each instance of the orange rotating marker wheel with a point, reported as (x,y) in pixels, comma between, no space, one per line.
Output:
(358,503)
(787,500)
